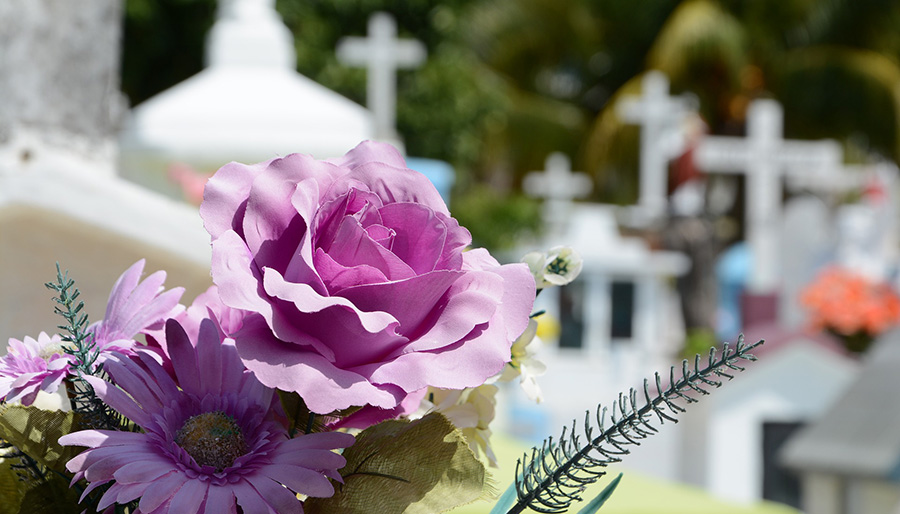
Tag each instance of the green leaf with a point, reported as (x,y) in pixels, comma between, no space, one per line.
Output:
(419,467)
(36,433)
(51,497)
(12,490)
(601,498)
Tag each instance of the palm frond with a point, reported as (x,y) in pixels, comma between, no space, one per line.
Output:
(841,92)
(554,475)
(699,33)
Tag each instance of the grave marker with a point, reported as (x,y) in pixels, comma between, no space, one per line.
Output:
(381,53)
(765,157)
(660,117)
(558,185)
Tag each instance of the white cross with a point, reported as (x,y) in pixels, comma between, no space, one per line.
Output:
(382,54)
(764,157)
(558,185)
(660,117)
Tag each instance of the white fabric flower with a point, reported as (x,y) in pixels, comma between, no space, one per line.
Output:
(524,365)
(555,267)
(471,410)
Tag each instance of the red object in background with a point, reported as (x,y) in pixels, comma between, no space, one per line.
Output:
(758,309)
(190,180)
(684,169)
(851,306)
(875,190)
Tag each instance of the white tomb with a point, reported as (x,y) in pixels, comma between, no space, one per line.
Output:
(794,382)
(765,157)
(60,199)
(728,442)
(620,320)
(54,207)
(381,53)
(806,246)
(248,105)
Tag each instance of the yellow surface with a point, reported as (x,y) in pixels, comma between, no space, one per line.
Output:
(636,494)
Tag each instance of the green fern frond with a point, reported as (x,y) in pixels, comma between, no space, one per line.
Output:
(554,475)
(80,344)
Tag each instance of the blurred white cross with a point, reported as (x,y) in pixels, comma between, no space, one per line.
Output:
(661,118)
(765,157)
(558,185)
(382,54)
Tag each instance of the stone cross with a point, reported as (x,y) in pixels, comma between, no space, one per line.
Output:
(558,185)
(660,117)
(765,157)
(382,54)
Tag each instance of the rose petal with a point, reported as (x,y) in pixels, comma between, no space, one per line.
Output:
(225,196)
(368,151)
(471,301)
(417,303)
(360,204)
(322,385)
(393,184)
(353,247)
(464,364)
(233,273)
(420,235)
(338,277)
(332,313)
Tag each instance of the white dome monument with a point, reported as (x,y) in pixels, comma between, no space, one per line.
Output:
(249,104)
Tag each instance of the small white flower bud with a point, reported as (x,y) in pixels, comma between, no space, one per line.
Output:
(556,267)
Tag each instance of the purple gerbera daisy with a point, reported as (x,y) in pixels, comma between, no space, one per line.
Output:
(33,365)
(133,308)
(211,446)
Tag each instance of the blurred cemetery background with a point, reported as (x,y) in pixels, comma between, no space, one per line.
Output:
(723,167)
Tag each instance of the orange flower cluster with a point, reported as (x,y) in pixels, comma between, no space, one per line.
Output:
(848,303)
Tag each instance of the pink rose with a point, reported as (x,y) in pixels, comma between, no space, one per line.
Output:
(356,281)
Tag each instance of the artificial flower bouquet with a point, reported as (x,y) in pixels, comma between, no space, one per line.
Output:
(345,361)
(851,306)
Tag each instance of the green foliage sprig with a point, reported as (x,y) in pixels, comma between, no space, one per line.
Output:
(79,343)
(554,475)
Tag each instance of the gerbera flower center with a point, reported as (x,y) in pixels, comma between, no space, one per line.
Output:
(55,349)
(212,439)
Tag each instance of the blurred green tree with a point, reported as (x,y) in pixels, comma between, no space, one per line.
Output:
(509,81)
(833,65)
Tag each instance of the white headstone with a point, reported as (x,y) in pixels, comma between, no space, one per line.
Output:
(861,241)
(806,245)
(558,186)
(381,53)
(661,118)
(764,157)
